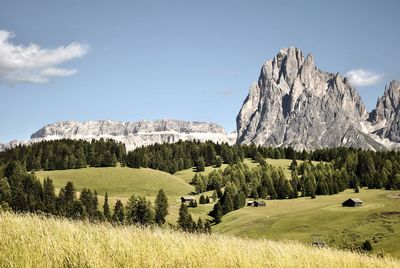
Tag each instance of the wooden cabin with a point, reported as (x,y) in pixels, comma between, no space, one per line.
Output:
(256,203)
(185,199)
(352,202)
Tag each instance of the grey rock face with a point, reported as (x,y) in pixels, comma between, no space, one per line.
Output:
(296,104)
(385,118)
(135,134)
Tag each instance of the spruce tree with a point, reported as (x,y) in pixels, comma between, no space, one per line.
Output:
(217,213)
(139,211)
(161,207)
(200,225)
(236,202)
(77,211)
(218,162)
(227,203)
(49,196)
(202,199)
(200,164)
(185,219)
(215,195)
(106,208)
(119,215)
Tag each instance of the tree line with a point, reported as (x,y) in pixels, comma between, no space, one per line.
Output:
(172,157)
(66,154)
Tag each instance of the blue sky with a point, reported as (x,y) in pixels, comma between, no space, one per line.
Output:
(189,60)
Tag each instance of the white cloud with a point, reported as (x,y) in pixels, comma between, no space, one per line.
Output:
(361,77)
(32,64)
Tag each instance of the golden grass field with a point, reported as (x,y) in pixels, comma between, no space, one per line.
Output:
(35,241)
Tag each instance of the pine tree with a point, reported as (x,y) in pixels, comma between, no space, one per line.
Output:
(227,203)
(202,199)
(139,211)
(106,208)
(218,162)
(114,160)
(199,186)
(118,216)
(207,199)
(77,211)
(185,219)
(236,202)
(216,213)
(49,196)
(200,226)
(200,164)
(161,207)
(215,195)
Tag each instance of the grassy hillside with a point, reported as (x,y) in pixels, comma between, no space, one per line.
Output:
(122,182)
(32,241)
(119,181)
(299,219)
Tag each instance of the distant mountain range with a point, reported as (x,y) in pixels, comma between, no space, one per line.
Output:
(293,103)
(132,134)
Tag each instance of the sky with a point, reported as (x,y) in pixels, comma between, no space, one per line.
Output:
(187,60)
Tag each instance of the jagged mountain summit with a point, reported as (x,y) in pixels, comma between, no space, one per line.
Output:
(296,104)
(132,134)
(385,118)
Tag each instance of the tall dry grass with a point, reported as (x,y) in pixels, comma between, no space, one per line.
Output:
(33,241)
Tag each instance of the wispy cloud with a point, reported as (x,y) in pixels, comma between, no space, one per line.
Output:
(362,78)
(32,64)
(227,92)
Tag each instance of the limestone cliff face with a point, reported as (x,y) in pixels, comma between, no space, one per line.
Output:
(385,118)
(296,104)
(132,134)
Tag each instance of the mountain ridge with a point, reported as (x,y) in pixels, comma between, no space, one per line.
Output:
(132,133)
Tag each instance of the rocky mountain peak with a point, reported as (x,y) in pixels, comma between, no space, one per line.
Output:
(296,104)
(385,118)
(386,105)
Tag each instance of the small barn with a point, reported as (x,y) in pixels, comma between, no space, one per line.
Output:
(185,199)
(352,202)
(256,204)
